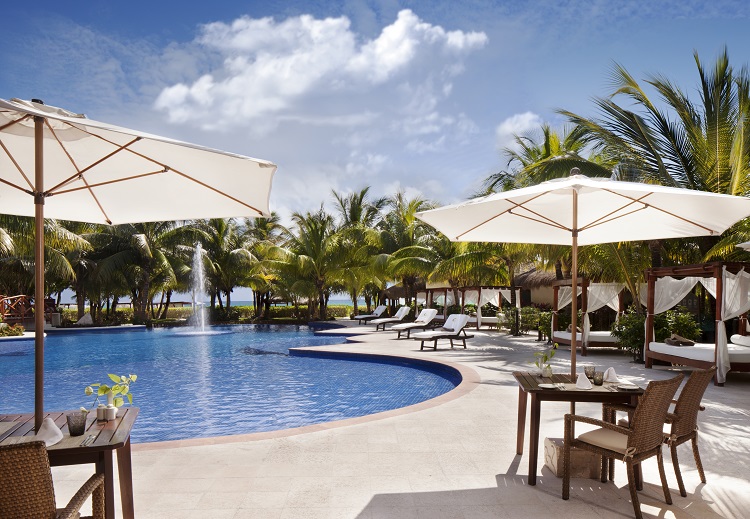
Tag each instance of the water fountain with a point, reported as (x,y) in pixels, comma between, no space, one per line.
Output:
(198,289)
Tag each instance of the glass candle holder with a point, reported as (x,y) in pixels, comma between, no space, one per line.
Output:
(76,423)
(598,378)
(589,370)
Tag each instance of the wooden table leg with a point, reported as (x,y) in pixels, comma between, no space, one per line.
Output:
(521,420)
(125,472)
(107,461)
(533,438)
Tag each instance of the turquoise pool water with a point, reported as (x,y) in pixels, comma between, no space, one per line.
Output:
(236,380)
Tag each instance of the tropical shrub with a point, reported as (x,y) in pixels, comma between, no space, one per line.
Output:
(14,330)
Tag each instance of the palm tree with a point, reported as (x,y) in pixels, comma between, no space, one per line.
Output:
(227,260)
(358,216)
(695,145)
(142,256)
(312,252)
(262,235)
(546,155)
(17,254)
(401,229)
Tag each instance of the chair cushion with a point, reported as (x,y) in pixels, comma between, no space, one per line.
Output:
(606,439)
(740,340)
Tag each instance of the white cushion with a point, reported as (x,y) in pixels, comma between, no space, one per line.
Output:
(740,340)
(606,439)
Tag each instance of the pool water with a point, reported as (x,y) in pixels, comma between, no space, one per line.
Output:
(235,380)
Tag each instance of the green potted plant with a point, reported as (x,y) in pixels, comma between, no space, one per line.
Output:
(115,393)
(541,361)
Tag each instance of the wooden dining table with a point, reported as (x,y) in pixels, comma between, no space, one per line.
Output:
(106,439)
(564,390)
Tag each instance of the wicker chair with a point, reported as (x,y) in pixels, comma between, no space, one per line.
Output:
(683,420)
(632,445)
(27,491)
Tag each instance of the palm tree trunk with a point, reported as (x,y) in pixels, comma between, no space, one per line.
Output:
(163,314)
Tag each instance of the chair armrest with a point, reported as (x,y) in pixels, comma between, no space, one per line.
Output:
(625,408)
(570,419)
(671,418)
(95,483)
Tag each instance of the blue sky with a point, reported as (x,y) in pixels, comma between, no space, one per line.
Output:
(411,95)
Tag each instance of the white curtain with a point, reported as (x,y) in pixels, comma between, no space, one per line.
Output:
(471,297)
(599,295)
(564,298)
(668,292)
(421,298)
(506,294)
(736,301)
(484,296)
(449,299)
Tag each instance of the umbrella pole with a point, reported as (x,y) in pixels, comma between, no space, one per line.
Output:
(574,281)
(38,272)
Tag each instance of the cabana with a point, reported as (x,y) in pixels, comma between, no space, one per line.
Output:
(729,284)
(593,297)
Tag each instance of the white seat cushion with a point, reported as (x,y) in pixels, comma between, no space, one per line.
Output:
(606,439)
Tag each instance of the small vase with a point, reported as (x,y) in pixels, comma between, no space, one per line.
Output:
(547,371)
(110,398)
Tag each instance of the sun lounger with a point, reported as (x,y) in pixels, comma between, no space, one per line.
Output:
(423,321)
(368,317)
(453,330)
(400,314)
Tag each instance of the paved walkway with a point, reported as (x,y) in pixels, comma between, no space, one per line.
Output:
(450,458)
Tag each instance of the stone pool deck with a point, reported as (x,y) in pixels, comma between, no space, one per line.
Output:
(449,458)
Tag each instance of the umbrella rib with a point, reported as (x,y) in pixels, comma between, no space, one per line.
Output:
(91,186)
(145,157)
(80,172)
(645,205)
(544,220)
(18,167)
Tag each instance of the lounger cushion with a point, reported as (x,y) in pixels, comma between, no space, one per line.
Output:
(740,340)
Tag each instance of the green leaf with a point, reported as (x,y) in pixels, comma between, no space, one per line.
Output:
(114,378)
(124,390)
(118,402)
(130,398)
(133,377)
(103,390)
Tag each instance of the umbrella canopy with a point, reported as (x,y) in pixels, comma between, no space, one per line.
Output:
(59,164)
(578,210)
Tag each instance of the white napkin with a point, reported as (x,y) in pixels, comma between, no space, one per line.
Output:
(49,432)
(583,382)
(611,376)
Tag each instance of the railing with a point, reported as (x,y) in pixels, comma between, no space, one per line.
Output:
(16,309)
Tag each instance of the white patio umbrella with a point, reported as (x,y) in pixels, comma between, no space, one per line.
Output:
(578,210)
(102,173)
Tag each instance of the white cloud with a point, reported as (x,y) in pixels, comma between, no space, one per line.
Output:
(517,124)
(310,69)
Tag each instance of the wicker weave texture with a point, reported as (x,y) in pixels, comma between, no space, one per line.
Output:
(645,438)
(26,482)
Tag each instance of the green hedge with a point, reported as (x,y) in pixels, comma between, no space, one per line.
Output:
(124,314)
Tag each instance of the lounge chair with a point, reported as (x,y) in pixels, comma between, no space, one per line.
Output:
(453,330)
(423,321)
(368,317)
(398,317)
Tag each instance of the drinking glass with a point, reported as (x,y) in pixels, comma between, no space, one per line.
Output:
(76,423)
(589,370)
(598,378)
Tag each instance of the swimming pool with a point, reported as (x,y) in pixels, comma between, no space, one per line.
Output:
(238,379)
